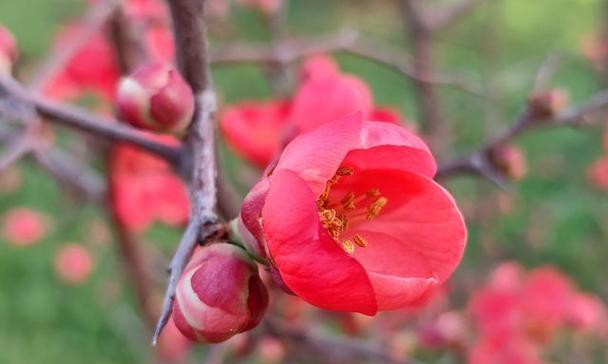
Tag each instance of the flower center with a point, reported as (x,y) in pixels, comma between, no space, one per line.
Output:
(337,215)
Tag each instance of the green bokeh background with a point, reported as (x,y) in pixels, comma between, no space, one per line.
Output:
(557,217)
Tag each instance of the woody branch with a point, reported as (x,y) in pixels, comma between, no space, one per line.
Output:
(199,149)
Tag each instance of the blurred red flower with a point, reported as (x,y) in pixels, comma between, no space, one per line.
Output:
(254,128)
(353,221)
(144,189)
(258,129)
(597,174)
(23,226)
(517,314)
(92,68)
(73,263)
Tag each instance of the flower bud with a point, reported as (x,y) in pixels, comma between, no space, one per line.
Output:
(219,295)
(8,51)
(546,105)
(510,161)
(156,97)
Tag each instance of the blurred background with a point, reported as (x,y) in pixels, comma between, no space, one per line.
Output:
(553,213)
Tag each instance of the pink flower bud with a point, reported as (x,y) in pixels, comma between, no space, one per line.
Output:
(157,98)
(219,295)
(8,50)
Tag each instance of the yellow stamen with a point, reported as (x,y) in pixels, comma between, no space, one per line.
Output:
(348,246)
(348,201)
(374,209)
(336,216)
(345,171)
(358,239)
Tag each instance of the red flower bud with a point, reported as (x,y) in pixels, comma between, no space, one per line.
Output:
(157,98)
(8,50)
(219,295)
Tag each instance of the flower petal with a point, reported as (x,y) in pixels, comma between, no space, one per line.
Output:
(418,234)
(404,149)
(316,155)
(312,265)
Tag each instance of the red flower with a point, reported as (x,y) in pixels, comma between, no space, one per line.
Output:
(258,129)
(73,263)
(597,174)
(353,221)
(328,96)
(254,129)
(23,226)
(93,67)
(518,314)
(512,350)
(143,189)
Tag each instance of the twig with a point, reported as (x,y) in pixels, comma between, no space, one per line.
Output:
(420,36)
(66,169)
(14,151)
(447,15)
(97,16)
(334,349)
(83,120)
(346,41)
(477,163)
(546,71)
(192,58)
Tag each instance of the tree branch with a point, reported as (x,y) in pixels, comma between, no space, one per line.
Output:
(447,15)
(84,121)
(346,41)
(199,148)
(420,36)
(334,349)
(478,163)
(66,169)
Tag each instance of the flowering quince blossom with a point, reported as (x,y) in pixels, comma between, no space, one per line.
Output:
(597,174)
(255,128)
(93,68)
(22,226)
(143,189)
(352,220)
(517,314)
(156,97)
(219,295)
(8,51)
(258,129)
(73,263)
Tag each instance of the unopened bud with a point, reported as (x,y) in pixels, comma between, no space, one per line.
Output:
(219,295)
(156,97)
(546,105)
(8,51)
(509,160)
